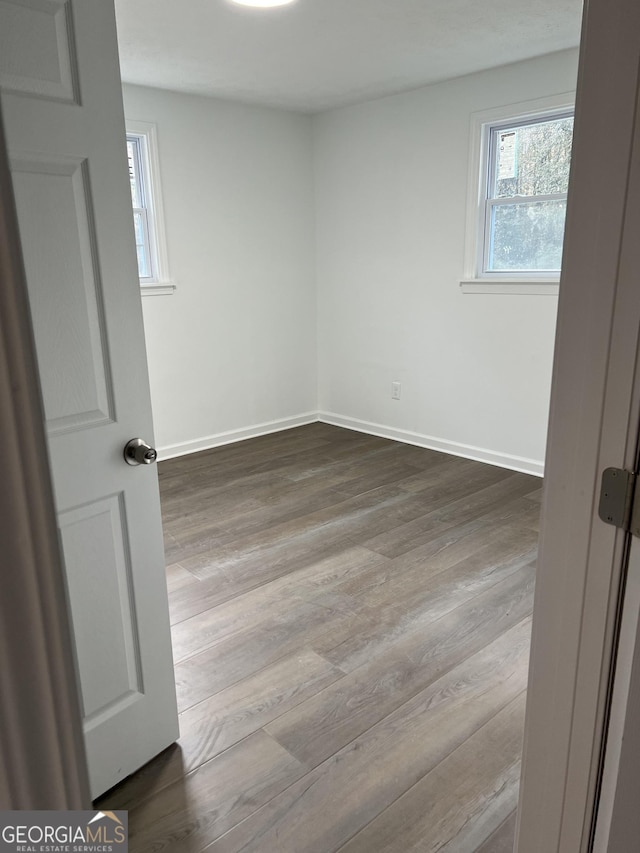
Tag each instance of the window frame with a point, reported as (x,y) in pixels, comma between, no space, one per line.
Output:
(143,211)
(481,159)
(159,282)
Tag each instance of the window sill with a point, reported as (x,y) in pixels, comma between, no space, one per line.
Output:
(520,287)
(165,288)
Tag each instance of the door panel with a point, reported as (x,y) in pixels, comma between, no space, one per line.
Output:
(94,538)
(54,214)
(62,105)
(36,48)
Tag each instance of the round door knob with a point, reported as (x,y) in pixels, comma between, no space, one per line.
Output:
(138,452)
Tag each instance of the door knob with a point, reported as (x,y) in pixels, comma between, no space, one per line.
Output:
(138,452)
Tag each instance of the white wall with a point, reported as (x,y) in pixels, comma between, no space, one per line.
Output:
(391,192)
(371,200)
(235,346)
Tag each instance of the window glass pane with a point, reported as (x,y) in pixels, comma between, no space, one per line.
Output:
(144,267)
(533,159)
(134,173)
(527,236)
(139,227)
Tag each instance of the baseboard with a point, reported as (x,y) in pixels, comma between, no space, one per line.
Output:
(170,451)
(468,451)
(503,460)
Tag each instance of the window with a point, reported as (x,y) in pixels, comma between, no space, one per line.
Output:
(516,222)
(141,212)
(526,198)
(147,209)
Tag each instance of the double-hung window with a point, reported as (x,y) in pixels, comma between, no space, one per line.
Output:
(516,221)
(526,196)
(146,201)
(140,200)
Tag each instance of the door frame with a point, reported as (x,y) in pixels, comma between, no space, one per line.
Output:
(618,821)
(41,738)
(593,424)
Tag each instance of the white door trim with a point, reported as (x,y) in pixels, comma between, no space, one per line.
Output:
(593,425)
(618,818)
(41,738)
(618,822)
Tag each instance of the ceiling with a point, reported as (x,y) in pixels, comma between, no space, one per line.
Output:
(319,54)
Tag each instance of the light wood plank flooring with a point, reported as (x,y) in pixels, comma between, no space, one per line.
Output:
(351,635)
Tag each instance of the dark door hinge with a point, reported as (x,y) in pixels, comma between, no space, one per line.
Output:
(618,499)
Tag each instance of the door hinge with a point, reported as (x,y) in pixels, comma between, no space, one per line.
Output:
(620,499)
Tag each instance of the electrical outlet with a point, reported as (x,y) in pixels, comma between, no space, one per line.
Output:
(395,390)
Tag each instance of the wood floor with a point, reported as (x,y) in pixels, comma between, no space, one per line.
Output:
(351,625)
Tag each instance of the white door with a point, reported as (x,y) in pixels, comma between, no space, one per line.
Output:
(62,105)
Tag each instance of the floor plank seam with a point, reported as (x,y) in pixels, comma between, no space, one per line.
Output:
(445,613)
(274,662)
(405,701)
(152,794)
(434,769)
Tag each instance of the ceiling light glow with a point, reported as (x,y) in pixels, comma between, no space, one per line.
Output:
(263,4)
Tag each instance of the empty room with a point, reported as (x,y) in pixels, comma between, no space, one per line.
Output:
(293,272)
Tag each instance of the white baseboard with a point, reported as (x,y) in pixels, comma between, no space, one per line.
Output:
(170,451)
(503,460)
(468,451)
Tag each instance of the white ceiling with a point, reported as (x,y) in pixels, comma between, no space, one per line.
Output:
(318,54)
